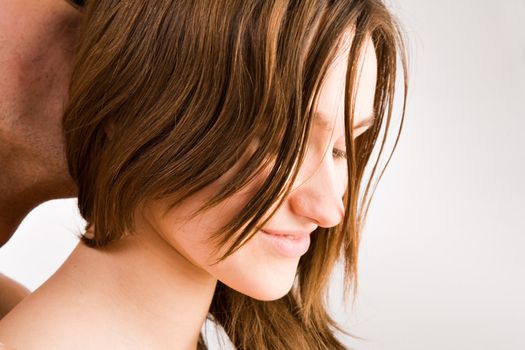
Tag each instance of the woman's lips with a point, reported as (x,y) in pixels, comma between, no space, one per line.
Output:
(291,244)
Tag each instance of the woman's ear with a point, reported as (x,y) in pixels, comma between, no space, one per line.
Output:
(90,232)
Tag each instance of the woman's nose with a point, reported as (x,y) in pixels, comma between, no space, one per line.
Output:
(319,196)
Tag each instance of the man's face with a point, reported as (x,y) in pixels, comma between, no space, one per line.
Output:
(36,54)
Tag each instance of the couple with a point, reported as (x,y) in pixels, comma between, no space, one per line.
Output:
(218,151)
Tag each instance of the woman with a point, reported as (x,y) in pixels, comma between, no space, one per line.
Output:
(219,149)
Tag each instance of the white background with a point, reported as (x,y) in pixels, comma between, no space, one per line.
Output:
(442,263)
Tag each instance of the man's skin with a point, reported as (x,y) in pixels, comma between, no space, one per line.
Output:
(37,44)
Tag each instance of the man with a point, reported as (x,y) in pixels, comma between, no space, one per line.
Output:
(37,44)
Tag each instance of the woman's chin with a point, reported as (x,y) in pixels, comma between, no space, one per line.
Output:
(264,289)
(270,295)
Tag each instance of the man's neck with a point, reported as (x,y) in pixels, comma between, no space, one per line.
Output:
(16,201)
(22,188)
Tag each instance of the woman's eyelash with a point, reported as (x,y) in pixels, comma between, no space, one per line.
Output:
(339,153)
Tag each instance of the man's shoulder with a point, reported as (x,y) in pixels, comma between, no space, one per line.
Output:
(11,293)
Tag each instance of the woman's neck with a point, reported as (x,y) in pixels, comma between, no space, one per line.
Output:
(137,291)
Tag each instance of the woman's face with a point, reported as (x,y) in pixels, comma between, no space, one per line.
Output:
(265,267)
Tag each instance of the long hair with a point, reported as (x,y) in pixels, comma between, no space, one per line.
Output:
(166,96)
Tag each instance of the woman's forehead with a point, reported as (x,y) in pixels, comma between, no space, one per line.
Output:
(329,107)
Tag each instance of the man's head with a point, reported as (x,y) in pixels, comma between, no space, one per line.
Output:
(37,44)
(37,52)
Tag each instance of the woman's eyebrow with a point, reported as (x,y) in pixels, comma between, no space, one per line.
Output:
(325,123)
(367,122)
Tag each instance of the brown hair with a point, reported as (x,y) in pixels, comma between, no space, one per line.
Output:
(185,87)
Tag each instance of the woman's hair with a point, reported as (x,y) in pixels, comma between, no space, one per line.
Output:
(166,96)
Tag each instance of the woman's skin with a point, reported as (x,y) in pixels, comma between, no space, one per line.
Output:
(37,38)
(152,289)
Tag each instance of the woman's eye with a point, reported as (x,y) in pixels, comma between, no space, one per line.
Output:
(339,154)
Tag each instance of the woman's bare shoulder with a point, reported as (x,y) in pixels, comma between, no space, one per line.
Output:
(41,316)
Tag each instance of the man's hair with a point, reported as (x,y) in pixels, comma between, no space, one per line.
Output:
(166,97)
